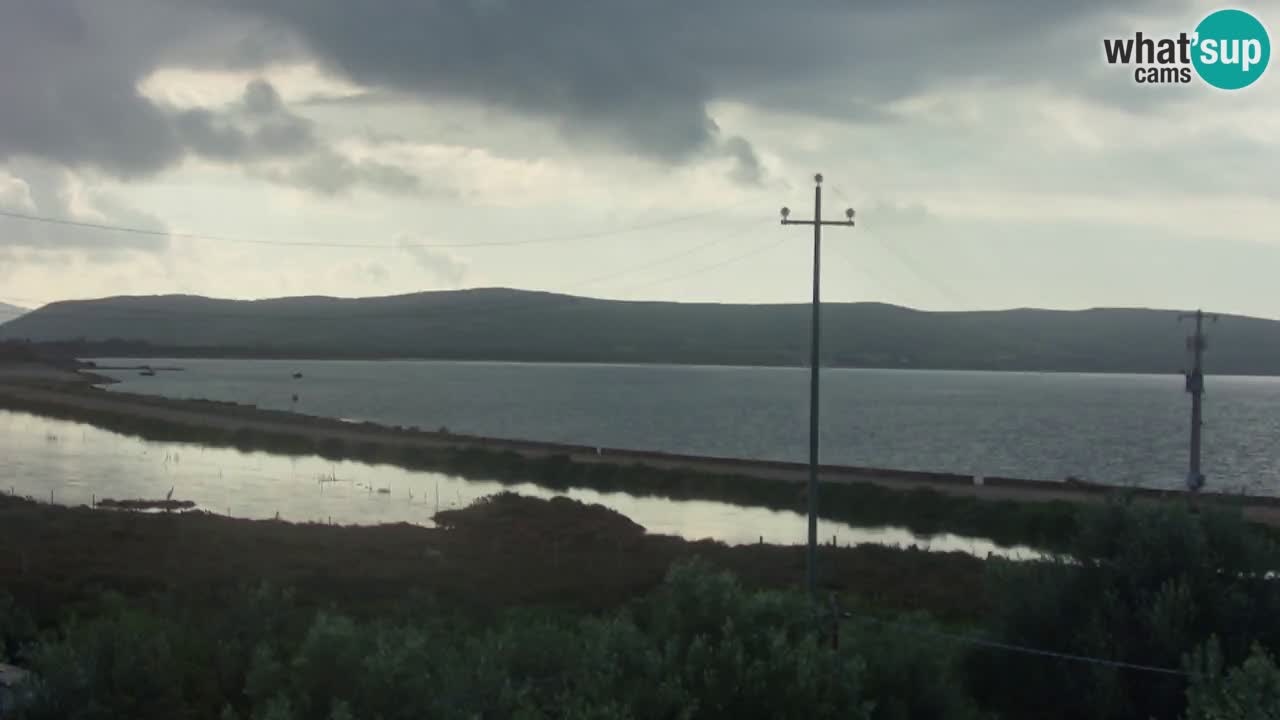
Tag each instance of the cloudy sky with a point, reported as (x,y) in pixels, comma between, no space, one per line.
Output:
(628,149)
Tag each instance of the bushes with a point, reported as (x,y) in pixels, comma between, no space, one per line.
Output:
(744,655)
(911,675)
(1146,586)
(1248,692)
(16,627)
(700,647)
(122,665)
(1160,587)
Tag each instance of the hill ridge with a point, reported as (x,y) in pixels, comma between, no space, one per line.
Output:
(515,325)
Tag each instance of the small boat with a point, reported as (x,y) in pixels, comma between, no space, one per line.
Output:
(148,373)
(297,376)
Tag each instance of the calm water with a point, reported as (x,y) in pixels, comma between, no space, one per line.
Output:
(71,463)
(1121,429)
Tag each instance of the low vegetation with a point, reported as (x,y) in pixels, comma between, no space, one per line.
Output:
(1159,612)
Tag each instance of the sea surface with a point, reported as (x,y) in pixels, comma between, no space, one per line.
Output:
(1116,429)
(70,463)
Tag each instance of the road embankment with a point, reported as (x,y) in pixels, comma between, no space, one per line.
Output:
(1007,510)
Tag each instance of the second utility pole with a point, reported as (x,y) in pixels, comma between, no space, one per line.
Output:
(811,569)
(1195,385)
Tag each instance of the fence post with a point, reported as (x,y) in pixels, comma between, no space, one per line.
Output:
(835,624)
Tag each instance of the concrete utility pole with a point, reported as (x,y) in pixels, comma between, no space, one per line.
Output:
(1195,385)
(811,569)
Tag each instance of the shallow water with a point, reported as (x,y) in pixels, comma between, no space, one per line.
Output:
(74,463)
(1118,429)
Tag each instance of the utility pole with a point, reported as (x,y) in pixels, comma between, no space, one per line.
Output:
(1195,385)
(811,568)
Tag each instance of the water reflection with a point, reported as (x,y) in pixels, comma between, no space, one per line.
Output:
(72,463)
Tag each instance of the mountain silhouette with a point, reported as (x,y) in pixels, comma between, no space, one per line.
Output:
(517,325)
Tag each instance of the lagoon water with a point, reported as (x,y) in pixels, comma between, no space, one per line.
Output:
(1118,429)
(73,464)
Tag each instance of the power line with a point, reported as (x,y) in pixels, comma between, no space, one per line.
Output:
(912,267)
(756,250)
(853,267)
(460,307)
(899,256)
(736,233)
(369,246)
(521,306)
(733,234)
(1023,649)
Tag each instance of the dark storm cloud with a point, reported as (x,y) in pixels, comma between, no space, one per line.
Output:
(68,93)
(92,116)
(260,98)
(747,169)
(643,72)
(68,84)
(636,74)
(259,126)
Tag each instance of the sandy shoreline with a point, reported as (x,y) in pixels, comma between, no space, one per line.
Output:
(70,393)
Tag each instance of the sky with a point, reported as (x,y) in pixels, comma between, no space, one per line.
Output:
(631,150)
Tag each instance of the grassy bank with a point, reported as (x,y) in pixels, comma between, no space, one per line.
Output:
(1046,524)
(1169,616)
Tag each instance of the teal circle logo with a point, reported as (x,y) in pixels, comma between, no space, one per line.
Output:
(1231,49)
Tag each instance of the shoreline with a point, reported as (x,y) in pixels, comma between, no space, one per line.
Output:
(211,414)
(1151,372)
(1008,511)
(222,414)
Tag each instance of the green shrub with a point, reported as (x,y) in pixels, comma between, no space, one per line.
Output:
(120,665)
(1250,691)
(911,674)
(1146,586)
(745,655)
(700,647)
(17,629)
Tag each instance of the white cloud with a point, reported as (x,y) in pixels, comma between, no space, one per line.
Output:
(201,88)
(39,189)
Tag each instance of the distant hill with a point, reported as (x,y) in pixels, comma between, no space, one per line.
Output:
(501,324)
(9,312)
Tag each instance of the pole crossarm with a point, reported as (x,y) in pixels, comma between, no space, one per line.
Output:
(825,223)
